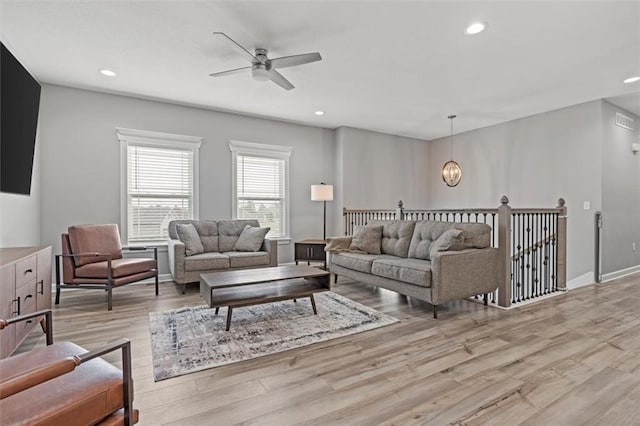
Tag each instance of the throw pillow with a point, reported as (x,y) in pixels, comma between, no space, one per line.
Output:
(449,240)
(367,238)
(188,234)
(250,238)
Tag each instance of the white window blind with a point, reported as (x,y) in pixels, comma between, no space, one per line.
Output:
(159,183)
(160,189)
(260,191)
(260,185)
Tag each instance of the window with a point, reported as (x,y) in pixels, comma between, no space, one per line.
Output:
(159,183)
(261,185)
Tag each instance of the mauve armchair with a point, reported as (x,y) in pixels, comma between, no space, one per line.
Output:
(92,259)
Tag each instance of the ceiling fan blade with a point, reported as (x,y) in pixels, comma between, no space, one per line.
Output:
(292,61)
(278,79)
(238,47)
(228,72)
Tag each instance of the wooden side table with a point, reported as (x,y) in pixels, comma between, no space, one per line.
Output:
(310,251)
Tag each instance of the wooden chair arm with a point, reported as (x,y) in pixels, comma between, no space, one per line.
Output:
(48,320)
(92,254)
(38,375)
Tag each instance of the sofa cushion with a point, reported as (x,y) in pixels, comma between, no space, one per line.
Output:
(367,238)
(424,234)
(95,239)
(230,230)
(412,271)
(206,261)
(396,236)
(207,229)
(476,235)
(451,239)
(188,234)
(357,261)
(119,268)
(251,238)
(244,259)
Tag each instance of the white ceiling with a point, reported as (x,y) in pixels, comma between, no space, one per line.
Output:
(390,66)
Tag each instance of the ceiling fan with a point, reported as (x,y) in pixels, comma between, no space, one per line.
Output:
(262,68)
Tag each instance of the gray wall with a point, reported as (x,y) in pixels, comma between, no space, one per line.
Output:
(376,170)
(81,171)
(20,214)
(534,161)
(620,192)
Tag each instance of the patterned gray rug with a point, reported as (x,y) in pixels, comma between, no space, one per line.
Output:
(187,340)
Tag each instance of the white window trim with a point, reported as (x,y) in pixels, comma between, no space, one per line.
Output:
(261,150)
(155,139)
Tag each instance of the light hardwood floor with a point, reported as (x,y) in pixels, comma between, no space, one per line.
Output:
(570,360)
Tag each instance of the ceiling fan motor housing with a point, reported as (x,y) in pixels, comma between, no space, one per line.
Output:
(260,71)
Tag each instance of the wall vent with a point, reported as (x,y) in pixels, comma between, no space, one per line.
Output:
(624,121)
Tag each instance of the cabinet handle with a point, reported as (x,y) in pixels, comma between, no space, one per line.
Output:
(28,271)
(41,282)
(28,296)
(17,300)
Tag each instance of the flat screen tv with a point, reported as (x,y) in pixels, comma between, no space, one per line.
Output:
(19,104)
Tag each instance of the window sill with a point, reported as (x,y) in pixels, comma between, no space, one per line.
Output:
(282,240)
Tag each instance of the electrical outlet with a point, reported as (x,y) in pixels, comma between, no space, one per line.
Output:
(586,205)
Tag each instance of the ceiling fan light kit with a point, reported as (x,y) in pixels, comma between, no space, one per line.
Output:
(451,171)
(264,69)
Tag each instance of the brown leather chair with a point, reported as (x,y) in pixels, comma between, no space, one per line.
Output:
(92,258)
(63,384)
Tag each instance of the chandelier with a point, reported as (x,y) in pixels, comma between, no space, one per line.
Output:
(451,171)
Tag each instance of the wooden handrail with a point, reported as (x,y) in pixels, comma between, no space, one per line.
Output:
(537,245)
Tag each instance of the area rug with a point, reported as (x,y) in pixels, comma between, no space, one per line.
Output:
(191,339)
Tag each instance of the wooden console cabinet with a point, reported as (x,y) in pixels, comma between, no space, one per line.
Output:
(310,251)
(25,287)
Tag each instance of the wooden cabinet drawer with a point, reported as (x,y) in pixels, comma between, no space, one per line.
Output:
(26,270)
(26,296)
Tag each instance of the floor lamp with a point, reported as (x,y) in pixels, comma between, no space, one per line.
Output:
(322,193)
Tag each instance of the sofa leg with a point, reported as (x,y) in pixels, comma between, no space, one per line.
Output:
(335,279)
(57,293)
(184,287)
(156,283)
(486,299)
(435,311)
(109,298)
(217,310)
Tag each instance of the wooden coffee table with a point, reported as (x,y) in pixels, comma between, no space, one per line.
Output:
(248,287)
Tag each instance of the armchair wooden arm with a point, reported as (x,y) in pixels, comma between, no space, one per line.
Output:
(48,320)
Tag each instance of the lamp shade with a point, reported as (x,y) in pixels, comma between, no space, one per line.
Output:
(322,192)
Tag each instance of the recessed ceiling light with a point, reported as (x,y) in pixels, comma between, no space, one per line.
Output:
(108,73)
(632,79)
(475,28)
(319,112)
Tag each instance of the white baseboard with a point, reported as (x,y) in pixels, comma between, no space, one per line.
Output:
(581,281)
(621,273)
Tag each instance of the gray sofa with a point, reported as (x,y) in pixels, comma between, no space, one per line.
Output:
(218,239)
(410,262)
